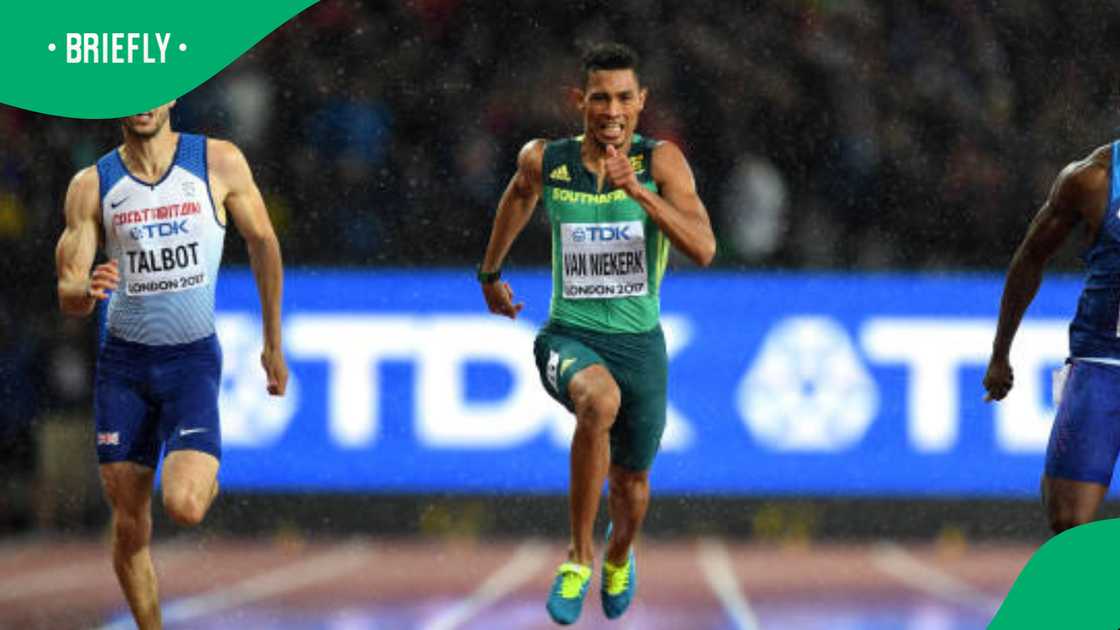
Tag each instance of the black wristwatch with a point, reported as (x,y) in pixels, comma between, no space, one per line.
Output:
(486,277)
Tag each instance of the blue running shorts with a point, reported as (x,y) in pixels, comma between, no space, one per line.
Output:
(1085,437)
(148,397)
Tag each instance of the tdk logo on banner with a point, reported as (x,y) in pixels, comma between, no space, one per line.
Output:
(169,228)
(598,233)
(874,394)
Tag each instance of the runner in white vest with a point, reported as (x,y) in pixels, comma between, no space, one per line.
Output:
(158,206)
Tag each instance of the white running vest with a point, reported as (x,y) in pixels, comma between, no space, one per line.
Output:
(167,241)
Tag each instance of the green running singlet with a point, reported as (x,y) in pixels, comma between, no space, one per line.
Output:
(608,256)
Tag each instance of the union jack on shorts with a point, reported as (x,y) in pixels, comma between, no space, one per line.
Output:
(111,439)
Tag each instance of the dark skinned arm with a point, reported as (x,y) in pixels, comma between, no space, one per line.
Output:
(514,210)
(677,210)
(1078,193)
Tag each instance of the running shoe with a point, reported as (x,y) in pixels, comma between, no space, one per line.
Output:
(618,584)
(565,601)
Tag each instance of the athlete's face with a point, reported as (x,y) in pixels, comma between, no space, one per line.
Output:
(611,102)
(148,124)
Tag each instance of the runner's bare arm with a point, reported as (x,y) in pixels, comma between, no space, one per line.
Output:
(1075,192)
(514,210)
(676,209)
(78,289)
(244,204)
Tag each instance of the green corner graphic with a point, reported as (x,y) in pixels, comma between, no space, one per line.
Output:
(107,60)
(1070,582)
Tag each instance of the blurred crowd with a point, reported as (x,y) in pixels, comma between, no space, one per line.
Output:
(824,134)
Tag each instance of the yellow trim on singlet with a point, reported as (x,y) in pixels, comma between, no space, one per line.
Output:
(662,257)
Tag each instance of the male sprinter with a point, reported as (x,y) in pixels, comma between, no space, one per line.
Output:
(158,207)
(615,201)
(1085,436)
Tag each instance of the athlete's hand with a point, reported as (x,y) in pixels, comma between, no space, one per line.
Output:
(499,299)
(999,379)
(620,173)
(103,279)
(276,370)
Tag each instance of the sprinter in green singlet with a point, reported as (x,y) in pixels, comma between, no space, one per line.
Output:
(616,201)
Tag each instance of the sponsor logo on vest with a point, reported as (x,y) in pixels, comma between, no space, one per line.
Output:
(153,230)
(560,174)
(575,196)
(599,234)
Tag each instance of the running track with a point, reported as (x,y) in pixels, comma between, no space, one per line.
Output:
(365,584)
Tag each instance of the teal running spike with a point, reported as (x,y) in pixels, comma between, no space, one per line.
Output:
(619,582)
(565,601)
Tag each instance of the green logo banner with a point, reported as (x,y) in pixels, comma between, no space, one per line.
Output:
(110,59)
(1070,582)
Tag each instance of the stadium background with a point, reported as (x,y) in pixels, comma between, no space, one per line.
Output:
(838,146)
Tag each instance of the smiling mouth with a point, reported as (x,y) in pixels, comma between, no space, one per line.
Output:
(611,129)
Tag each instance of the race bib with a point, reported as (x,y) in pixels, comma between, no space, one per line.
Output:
(165,258)
(604,260)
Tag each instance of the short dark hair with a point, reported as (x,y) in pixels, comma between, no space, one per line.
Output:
(609,56)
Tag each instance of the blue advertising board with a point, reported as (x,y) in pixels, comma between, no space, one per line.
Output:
(780,384)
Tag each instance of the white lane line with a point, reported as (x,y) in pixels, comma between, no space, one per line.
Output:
(900,564)
(526,561)
(715,562)
(290,577)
